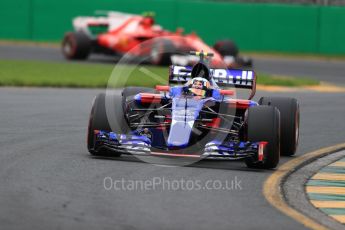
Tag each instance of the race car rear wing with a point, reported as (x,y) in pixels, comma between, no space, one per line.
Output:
(244,79)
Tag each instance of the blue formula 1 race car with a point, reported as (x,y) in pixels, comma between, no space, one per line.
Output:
(196,116)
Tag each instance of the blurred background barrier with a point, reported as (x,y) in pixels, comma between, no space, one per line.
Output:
(301,28)
(319,2)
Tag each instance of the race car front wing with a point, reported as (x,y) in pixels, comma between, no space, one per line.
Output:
(141,145)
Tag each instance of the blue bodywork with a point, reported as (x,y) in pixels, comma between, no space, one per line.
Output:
(184,113)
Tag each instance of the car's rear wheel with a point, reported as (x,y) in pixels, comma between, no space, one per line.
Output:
(263,125)
(161,52)
(289,118)
(98,120)
(226,48)
(76,45)
(244,61)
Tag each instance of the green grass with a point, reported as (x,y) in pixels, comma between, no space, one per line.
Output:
(265,79)
(86,75)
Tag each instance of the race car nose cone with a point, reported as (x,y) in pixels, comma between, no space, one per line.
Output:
(184,113)
(180,133)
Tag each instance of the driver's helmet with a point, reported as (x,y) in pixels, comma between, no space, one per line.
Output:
(147,22)
(198,86)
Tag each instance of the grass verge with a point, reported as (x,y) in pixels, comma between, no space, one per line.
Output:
(86,75)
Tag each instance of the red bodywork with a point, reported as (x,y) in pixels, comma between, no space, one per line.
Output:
(136,35)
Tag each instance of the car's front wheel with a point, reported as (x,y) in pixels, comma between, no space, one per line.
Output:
(98,120)
(263,125)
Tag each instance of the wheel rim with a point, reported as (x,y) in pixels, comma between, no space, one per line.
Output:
(67,47)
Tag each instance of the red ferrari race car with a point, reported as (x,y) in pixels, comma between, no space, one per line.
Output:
(140,38)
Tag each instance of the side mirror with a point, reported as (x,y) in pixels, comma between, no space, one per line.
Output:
(163,88)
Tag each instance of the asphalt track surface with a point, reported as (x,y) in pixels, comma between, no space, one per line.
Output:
(49,181)
(330,71)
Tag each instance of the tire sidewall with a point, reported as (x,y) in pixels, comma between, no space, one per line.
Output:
(69,40)
(263,124)
(290,117)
